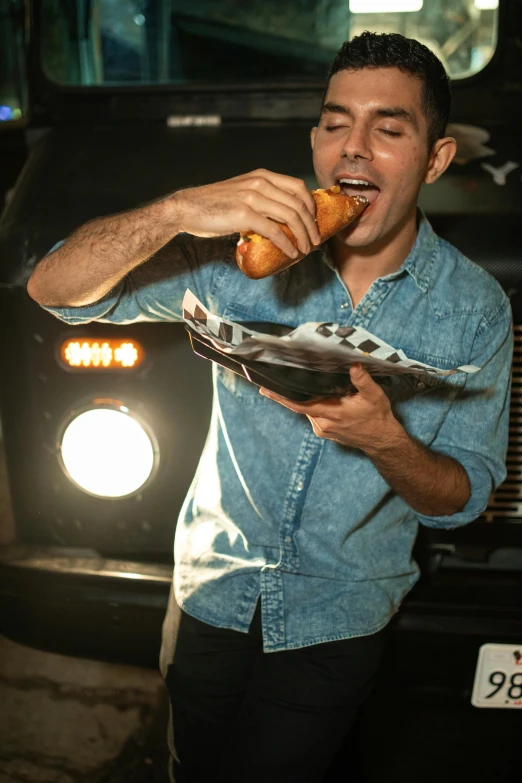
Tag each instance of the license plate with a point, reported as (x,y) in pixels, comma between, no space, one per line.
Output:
(498,677)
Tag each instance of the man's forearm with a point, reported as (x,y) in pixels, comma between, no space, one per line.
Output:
(100,253)
(431,483)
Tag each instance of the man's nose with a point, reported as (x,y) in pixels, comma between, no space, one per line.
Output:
(357,144)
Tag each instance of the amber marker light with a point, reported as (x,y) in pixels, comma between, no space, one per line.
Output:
(98,354)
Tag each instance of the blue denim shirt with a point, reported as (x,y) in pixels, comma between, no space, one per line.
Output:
(306,523)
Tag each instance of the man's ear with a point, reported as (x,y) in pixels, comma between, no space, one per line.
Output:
(441,156)
(312,136)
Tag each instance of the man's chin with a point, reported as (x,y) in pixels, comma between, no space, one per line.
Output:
(357,235)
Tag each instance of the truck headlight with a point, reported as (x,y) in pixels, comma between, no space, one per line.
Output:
(107,451)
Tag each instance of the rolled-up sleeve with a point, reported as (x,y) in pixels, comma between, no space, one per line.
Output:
(476,429)
(154,291)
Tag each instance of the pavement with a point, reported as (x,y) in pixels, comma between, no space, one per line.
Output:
(66,720)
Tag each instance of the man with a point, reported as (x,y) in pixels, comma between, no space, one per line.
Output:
(293,548)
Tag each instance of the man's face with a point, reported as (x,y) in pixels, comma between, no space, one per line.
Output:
(372,128)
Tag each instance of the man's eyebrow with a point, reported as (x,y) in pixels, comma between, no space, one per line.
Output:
(399,113)
(335,108)
(396,112)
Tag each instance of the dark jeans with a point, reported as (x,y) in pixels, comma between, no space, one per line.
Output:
(244,716)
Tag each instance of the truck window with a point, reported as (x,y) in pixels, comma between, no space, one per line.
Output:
(190,42)
(12,69)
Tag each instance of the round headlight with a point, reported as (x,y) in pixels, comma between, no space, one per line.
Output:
(107,452)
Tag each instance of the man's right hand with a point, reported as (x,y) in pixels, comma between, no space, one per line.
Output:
(258,202)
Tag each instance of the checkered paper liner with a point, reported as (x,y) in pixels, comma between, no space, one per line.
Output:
(325,347)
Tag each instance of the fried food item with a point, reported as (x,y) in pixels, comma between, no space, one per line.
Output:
(258,257)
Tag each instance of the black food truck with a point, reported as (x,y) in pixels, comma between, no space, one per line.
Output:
(125,101)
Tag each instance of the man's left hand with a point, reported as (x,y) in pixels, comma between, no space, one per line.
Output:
(363,420)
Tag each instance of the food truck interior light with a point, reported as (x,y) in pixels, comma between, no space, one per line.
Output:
(486,5)
(384,6)
(107,452)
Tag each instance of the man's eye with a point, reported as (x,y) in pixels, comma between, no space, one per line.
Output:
(330,128)
(390,132)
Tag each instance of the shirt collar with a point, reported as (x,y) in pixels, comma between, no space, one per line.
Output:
(419,263)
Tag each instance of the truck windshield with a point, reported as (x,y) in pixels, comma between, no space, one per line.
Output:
(191,42)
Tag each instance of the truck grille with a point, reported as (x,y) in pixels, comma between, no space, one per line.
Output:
(506,502)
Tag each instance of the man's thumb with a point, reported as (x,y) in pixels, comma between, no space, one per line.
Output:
(360,378)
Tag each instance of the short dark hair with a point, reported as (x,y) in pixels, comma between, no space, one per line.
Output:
(391,50)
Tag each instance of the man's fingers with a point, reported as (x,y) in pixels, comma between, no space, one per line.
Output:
(316,426)
(249,220)
(363,382)
(293,406)
(281,213)
(320,425)
(292,185)
(324,409)
(294,201)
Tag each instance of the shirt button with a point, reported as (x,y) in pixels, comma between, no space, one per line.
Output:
(288,539)
(421,385)
(344,305)
(300,486)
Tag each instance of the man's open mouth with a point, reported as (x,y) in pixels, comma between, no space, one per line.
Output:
(359,187)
